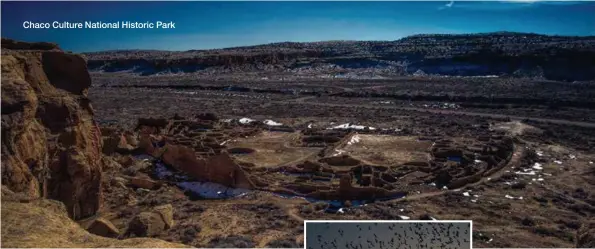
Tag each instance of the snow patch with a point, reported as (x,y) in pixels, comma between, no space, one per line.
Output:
(161,171)
(537,166)
(246,120)
(512,197)
(212,190)
(351,126)
(271,123)
(354,139)
(338,152)
(403,217)
(526,172)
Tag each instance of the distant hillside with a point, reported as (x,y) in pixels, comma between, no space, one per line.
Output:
(502,53)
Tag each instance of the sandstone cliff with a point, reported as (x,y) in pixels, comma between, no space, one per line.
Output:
(51,145)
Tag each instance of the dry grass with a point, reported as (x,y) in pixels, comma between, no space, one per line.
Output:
(387,150)
(272,149)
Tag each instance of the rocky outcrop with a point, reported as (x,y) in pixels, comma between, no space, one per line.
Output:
(51,146)
(45,223)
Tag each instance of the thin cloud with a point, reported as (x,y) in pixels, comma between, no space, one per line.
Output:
(448,5)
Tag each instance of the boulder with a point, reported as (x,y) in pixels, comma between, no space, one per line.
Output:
(126,161)
(146,183)
(167,214)
(103,227)
(51,145)
(146,224)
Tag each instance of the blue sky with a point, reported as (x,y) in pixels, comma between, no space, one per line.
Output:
(205,25)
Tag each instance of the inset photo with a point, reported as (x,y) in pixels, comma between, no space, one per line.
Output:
(378,234)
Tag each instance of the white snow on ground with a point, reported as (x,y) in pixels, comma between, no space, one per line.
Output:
(572,156)
(310,126)
(161,170)
(212,190)
(354,139)
(537,166)
(558,162)
(226,120)
(246,120)
(526,172)
(512,197)
(474,200)
(466,193)
(338,152)
(403,217)
(352,126)
(271,123)
(477,161)
(539,153)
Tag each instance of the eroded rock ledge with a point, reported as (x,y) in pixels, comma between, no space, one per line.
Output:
(51,145)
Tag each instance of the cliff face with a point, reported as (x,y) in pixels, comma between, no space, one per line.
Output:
(51,145)
(511,54)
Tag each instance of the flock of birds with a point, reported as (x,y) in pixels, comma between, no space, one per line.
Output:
(387,235)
